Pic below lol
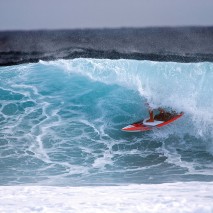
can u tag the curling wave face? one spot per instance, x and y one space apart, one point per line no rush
60 122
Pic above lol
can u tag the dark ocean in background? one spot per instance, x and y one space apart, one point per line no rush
61 120
180 44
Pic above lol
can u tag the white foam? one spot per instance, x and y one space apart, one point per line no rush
168 197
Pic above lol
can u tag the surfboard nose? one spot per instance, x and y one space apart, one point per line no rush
127 128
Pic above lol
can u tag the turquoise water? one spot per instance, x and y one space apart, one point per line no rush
60 122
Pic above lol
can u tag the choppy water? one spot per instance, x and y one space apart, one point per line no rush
60 122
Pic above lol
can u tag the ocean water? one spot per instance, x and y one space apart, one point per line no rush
60 133
179 44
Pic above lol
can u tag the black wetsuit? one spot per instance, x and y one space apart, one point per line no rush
165 116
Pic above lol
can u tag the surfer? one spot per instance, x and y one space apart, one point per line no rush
162 116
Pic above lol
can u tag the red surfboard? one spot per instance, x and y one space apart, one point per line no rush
142 125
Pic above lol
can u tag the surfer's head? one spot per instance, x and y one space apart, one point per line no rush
161 110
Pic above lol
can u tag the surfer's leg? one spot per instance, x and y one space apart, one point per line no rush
151 116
